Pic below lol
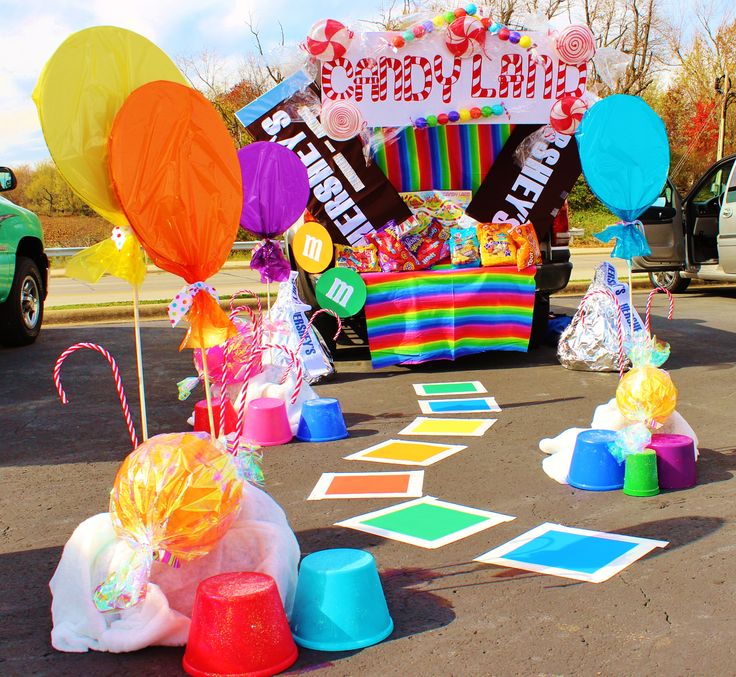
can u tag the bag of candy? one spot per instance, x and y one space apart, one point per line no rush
464 247
392 254
528 252
496 246
363 259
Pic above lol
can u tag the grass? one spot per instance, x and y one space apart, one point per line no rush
591 221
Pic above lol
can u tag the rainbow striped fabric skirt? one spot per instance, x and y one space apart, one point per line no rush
427 315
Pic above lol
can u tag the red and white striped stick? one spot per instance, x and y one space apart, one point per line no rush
115 373
619 324
652 294
311 322
294 362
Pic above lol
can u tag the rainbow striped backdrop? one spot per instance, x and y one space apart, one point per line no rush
451 157
426 315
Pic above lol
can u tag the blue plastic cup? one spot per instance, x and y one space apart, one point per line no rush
339 603
593 466
321 421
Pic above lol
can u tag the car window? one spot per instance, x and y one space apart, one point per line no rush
714 184
665 199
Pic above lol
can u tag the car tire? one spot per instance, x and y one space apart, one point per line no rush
22 313
671 280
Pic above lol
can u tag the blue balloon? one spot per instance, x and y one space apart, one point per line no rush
624 153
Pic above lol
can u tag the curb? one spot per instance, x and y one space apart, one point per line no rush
148 312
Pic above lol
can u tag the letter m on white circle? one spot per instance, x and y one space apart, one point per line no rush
340 292
312 248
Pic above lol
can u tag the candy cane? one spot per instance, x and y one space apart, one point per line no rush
293 362
115 374
311 322
652 294
619 324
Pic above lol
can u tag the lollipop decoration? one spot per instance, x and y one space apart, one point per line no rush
466 36
567 113
575 44
342 120
276 190
328 40
173 499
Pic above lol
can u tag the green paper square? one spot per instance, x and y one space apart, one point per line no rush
425 521
444 388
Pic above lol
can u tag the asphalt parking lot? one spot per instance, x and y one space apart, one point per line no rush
668 614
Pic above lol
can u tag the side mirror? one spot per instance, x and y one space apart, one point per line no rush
7 179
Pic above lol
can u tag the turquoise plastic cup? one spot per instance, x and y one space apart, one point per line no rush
339 603
321 421
593 467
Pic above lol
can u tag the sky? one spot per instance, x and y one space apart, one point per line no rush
33 29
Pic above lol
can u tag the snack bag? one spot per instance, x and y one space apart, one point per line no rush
392 254
464 247
528 252
496 246
362 259
399 230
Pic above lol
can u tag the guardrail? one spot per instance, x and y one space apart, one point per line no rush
71 251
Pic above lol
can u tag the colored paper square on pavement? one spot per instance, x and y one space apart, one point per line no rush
463 427
426 522
405 484
580 554
468 405
454 388
406 452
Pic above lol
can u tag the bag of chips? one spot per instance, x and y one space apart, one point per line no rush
496 246
528 252
363 259
464 247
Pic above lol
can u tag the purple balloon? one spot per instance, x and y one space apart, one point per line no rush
275 188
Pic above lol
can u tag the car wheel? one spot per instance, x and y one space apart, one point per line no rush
671 280
22 313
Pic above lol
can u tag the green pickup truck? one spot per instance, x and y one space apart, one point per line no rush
24 270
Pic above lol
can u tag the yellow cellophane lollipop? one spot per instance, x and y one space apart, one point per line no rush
646 395
173 499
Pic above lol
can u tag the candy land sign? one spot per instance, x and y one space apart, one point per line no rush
394 87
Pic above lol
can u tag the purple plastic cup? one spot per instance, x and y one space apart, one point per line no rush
675 461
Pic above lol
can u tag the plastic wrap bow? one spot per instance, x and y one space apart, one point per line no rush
630 239
269 261
119 255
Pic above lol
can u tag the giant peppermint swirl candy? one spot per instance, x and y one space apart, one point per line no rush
341 119
567 113
328 40
465 36
575 44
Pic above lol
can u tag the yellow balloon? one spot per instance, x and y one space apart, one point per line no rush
646 395
78 94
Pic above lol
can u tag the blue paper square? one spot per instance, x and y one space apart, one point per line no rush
563 550
453 406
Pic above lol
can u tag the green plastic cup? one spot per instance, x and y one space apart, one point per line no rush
640 476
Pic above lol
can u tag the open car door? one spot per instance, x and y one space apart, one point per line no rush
727 226
664 228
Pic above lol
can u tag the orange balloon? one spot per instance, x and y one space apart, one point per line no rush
176 173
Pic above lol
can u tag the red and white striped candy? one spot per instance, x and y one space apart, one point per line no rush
115 374
567 113
465 36
328 40
575 44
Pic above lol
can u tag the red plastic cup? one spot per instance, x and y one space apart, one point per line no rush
202 421
239 628
267 423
